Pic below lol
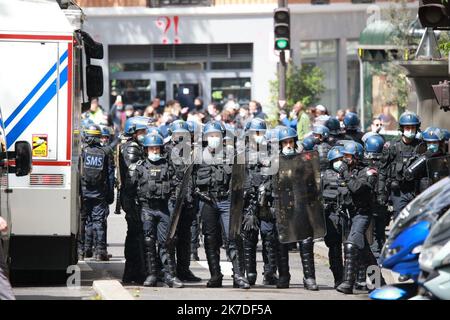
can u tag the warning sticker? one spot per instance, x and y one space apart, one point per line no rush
40 145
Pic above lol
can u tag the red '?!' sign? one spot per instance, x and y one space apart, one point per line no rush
164 23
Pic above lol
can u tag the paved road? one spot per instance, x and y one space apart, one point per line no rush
91 270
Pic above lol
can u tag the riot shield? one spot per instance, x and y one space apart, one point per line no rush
175 216
300 211
438 168
237 198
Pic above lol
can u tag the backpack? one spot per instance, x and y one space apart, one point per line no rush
94 166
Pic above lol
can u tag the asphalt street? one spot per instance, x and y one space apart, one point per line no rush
113 269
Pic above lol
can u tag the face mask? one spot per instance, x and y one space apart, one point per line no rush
287 151
337 165
259 139
213 142
154 156
128 113
409 134
140 138
433 147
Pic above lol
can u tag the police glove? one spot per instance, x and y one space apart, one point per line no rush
343 170
250 222
382 199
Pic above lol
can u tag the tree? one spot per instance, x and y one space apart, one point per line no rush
303 84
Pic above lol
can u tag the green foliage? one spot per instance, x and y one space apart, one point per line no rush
444 44
303 84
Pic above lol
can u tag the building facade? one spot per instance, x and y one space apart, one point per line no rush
223 48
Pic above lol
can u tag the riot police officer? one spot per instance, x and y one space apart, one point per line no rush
372 156
195 130
333 214
97 186
400 154
213 183
130 153
179 157
287 138
352 130
336 133
321 134
358 184
156 184
433 165
257 216
308 144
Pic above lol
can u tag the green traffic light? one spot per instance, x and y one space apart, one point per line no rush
281 44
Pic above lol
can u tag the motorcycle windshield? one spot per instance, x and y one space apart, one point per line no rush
440 233
434 200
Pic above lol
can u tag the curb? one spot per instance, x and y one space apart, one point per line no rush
111 290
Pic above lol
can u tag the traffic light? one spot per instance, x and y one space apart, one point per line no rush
281 29
434 14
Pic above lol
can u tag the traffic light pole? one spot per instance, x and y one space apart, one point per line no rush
282 67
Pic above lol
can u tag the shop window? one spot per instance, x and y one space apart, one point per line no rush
228 65
133 91
224 89
179 66
128 66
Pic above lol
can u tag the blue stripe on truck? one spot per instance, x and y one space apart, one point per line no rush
35 89
35 109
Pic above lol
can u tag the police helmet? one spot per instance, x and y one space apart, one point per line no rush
335 153
308 144
86 122
134 124
154 130
106 131
355 149
433 134
192 126
257 124
446 134
351 121
213 126
93 130
408 119
153 140
179 126
322 130
333 125
287 133
374 144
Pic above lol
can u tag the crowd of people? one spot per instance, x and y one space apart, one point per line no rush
364 178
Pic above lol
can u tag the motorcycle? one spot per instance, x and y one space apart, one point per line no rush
404 244
434 279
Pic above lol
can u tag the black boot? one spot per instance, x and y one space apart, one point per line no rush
366 259
270 263
170 277
213 257
283 266
336 263
351 254
183 262
150 262
361 276
235 254
249 244
307 257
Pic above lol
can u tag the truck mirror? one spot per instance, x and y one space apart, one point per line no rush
23 158
94 81
93 49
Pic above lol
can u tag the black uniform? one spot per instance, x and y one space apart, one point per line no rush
130 153
396 159
380 211
334 222
257 217
359 184
354 135
156 183
97 191
188 214
322 148
213 181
